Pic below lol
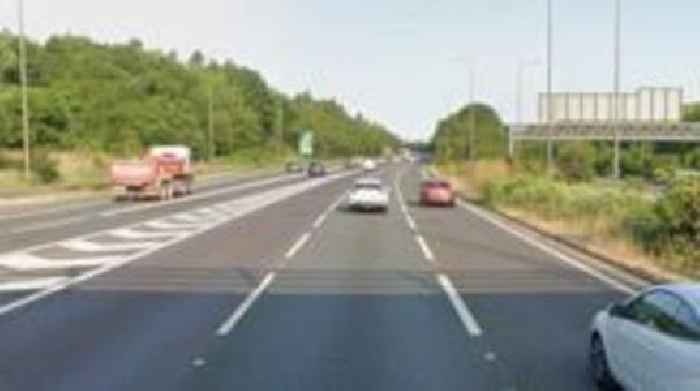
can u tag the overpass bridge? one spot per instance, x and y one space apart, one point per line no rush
615 132
660 132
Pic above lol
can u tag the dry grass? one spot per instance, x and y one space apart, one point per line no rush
470 178
594 236
596 233
85 174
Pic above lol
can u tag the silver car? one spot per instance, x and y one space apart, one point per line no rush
649 342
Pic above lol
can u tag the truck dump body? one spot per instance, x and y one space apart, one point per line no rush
133 173
165 172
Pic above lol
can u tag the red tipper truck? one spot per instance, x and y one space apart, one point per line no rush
164 172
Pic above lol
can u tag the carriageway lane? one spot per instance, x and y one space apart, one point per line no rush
357 308
42 258
36 214
534 308
143 326
62 222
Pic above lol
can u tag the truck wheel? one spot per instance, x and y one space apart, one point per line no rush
165 191
169 191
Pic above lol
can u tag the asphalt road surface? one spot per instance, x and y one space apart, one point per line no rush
272 284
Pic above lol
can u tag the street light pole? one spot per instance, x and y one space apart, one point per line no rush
210 121
472 114
616 82
550 147
23 80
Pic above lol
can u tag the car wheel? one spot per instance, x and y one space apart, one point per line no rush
599 368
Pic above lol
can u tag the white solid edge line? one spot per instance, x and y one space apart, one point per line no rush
427 252
319 220
241 310
467 318
297 245
549 250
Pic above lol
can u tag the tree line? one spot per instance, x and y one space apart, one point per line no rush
457 138
118 98
475 131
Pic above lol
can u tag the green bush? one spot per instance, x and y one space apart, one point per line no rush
668 227
577 161
44 169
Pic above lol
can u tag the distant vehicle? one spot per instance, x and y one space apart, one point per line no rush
369 165
293 168
164 172
356 162
437 192
649 342
316 169
369 194
396 159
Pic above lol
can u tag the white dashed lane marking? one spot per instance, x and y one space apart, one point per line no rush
460 307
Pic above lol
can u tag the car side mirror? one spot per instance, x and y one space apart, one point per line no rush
620 311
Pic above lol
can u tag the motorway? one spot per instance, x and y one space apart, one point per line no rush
272 284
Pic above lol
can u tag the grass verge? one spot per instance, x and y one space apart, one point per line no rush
657 234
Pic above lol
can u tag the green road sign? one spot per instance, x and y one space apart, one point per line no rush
306 143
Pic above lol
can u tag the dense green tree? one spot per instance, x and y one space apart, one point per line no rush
121 97
453 139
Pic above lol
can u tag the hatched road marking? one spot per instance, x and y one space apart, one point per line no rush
197 196
30 284
25 259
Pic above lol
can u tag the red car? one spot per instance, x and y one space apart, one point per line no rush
437 192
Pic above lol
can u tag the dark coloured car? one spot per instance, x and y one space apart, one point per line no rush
316 169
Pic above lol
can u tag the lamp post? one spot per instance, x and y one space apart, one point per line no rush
210 123
616 93
472 114
23 81
550 146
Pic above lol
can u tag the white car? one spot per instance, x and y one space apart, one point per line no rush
649 342
369 194
369 165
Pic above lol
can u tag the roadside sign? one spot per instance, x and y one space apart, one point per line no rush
306 143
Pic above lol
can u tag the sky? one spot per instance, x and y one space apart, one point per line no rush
403 63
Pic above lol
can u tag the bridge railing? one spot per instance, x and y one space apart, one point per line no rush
682 132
